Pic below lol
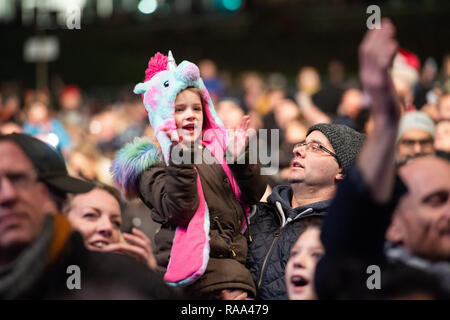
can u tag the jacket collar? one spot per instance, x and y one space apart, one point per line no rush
281 198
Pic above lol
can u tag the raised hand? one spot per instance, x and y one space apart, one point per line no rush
376 54
137 245
238 139
376 159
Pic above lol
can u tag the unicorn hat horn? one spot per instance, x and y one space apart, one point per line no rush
171 65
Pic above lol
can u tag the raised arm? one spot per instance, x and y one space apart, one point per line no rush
353 233
376 160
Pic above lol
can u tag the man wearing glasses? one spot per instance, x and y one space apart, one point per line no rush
319 163
415 136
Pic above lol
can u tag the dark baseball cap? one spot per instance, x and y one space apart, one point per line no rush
48 163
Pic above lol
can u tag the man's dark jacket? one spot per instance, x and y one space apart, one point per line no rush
274 228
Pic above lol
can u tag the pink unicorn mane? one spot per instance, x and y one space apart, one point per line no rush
156 64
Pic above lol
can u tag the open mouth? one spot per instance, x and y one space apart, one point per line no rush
299 281
296 164
189 128
99 244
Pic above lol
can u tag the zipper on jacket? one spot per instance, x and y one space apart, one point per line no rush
248 229
276 234
233 252
280 214
284 222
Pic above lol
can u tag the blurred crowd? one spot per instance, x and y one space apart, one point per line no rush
88 133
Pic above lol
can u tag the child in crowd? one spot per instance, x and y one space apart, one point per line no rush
200 200
301 265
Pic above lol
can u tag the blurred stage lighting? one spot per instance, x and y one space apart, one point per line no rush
147 6
232 5
227 5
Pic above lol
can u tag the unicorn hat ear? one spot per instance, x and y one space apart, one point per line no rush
140 88
171 65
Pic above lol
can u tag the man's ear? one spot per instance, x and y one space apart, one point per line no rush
340 175
47 203
43 191
394 232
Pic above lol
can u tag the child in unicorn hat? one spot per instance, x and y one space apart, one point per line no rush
202 206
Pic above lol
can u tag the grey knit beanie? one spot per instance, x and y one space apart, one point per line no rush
416 120
345 141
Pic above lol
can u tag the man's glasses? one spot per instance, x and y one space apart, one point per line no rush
313 147
410 144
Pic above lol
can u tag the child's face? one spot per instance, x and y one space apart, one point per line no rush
188 115
301 265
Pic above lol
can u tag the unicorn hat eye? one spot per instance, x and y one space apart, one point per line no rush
166 83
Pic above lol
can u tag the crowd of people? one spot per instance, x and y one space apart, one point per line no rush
154 195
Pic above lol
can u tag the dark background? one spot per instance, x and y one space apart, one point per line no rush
263 35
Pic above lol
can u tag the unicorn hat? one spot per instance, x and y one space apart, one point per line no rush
163 81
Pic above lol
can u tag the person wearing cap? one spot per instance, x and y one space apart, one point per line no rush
38 248
319 163
415 136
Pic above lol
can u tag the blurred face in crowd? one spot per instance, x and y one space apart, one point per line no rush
313 166
189 115
295 131
414 143
253 83
444 107
442 139
351 103
422 218
96 215
82 165
301 265
70 99
38 113
208 69
404 92
230 114
285 112
308 80
21 200
10 127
